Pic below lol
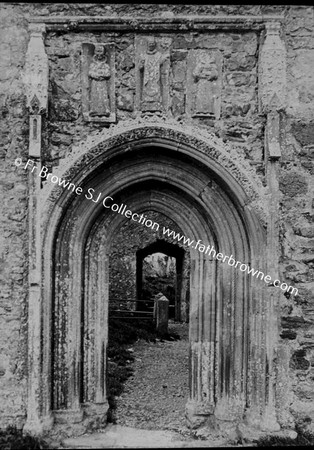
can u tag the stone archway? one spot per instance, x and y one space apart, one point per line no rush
193 178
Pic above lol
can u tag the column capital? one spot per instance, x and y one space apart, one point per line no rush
37 28
272 28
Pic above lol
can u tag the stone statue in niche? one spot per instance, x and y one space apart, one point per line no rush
152 84
98 82
99 73
204 80
205 76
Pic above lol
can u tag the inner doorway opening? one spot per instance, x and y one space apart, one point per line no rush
159 276
160 268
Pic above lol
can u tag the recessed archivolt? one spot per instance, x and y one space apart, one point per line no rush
229 166
188 179
174 181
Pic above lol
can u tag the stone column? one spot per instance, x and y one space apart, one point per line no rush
101 327
201 406
272 94
35 78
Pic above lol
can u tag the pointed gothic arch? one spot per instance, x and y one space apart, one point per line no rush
203 186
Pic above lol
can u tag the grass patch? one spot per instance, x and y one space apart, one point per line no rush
122 334
12 439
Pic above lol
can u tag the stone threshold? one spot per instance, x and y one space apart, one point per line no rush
117 436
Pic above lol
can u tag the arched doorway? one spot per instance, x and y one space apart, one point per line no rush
195 182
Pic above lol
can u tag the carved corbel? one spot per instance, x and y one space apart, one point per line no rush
35 78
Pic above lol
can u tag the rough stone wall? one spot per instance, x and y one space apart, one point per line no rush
297 210
240 124
13 220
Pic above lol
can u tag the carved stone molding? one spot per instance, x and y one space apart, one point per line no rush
35 75
175 23
272 70
204 143
224 379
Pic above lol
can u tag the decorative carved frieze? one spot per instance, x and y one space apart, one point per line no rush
149 24
204 81
98 82
152 74
272 70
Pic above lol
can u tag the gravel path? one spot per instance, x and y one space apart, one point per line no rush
155 396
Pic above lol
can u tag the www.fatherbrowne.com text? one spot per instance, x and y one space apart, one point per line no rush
122 209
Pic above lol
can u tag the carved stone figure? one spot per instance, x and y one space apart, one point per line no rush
151 88
204 83
98 82
205 75
99 73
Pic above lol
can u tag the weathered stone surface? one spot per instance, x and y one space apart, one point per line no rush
293 183
292 321
304 134
272 77
306 231
240 123
288 334
298 360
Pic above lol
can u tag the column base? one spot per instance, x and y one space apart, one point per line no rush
269 421
95 415
264 422
199 413
36 426
68 415
96 409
